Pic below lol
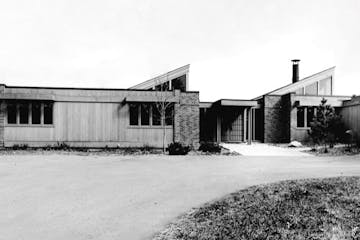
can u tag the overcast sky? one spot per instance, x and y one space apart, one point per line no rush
237 49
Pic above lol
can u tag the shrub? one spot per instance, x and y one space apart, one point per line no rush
61 146
210 147
20 147
177 148
326 127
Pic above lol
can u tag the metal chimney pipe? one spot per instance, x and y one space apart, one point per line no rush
295 72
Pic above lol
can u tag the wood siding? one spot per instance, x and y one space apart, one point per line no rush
88 124
351 117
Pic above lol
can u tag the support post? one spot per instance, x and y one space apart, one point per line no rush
250 126
245 125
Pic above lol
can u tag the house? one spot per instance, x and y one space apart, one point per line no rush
83 117
282 115
88 117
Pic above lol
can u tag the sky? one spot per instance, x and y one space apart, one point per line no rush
236 49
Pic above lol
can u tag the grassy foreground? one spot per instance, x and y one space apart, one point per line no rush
304 209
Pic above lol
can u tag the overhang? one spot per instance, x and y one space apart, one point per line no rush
238 103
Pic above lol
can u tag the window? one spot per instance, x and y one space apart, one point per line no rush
48 113
134 114
163 87
305 116
145 114
29 112
11 113
325 87
169 115
310 115
156 116
300 91
149 115
300 117
179 83
312 89
24 113
36 113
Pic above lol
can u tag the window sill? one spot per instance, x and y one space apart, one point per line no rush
147 127
30 125
303 128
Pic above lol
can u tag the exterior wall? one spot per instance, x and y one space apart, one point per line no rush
99 118
301 134
187 119
350 113
276 118
2 118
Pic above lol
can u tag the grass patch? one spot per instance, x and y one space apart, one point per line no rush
335 151
304 209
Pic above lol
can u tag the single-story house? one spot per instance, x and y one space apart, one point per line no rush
159 111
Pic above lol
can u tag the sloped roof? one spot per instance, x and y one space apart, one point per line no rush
163 78
292 87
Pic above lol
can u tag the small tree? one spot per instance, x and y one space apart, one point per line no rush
326 127
164 107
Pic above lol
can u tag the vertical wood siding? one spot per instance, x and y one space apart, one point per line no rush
89 124
351 118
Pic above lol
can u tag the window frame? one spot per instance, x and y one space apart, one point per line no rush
151 119
30 123
305 118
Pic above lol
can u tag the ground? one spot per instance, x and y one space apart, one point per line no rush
57 196
325 208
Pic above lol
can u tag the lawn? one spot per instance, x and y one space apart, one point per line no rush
304 209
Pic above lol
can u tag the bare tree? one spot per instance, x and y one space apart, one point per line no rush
163 107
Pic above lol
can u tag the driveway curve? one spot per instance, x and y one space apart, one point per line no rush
131 197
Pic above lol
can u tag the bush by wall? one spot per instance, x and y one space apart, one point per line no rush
210 147
177 148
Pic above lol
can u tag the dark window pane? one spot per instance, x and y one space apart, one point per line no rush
24 113
134 114
310 115
35 113
156 117
11 113
145 114
300 117
48 113
179 83
162 87
169 115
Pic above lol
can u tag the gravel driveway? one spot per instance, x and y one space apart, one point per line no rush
56 196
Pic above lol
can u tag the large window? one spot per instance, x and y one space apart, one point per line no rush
325 87
36 113
305 116
30 112
24 113
150 115
11 113
300 117
48 113
311 89
134 114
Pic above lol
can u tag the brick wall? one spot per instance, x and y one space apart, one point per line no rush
187 119
276 118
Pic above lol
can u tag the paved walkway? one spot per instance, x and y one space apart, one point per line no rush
262 149
57 197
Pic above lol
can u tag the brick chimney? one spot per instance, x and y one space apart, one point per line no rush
295 70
